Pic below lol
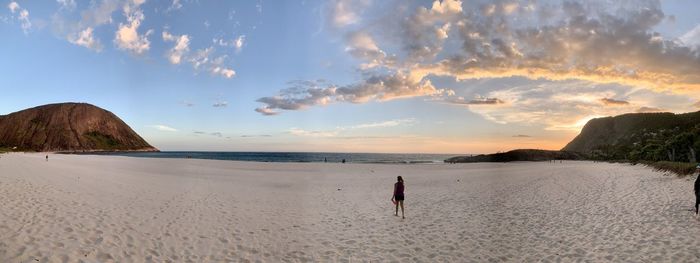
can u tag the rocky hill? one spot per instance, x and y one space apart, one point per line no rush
71 127
666 136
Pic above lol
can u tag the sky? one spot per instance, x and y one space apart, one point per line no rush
450 76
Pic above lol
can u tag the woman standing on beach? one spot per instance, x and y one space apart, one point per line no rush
397 198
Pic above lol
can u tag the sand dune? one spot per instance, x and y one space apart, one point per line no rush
119 209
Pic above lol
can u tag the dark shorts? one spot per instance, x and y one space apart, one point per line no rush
398 197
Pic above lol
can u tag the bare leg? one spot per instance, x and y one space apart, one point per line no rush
697 202
397 208
402 216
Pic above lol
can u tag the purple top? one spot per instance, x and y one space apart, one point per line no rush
398 188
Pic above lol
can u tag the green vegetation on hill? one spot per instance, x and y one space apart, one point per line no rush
641 137
518 155
101 141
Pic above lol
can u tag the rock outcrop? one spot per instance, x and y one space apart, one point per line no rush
70 127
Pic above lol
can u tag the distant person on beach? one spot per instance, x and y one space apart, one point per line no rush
47 157
397 198
343 160
697 190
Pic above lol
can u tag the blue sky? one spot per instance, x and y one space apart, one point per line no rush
353 75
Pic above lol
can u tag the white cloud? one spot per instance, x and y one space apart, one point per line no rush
692 38
201 60
240 41
13 6
225 72
383 124
338 130
302 132
86 39
127 36
175 5
181 48
24 20
236 43
23 16
67 4
99 14
345 12
161 127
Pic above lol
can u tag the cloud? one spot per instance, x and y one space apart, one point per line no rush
202 60
220 104
303 94
597 42
161 127
67 4
217 134
362 46
425 31
86 39
238 44
613 102
338 130
181 48
13 6
266 111
81 32
251 136
692 38
100 14
302 132
522 136
576 42
127 36
175 5
650 109
390 123
343 12
187 103
476 101
554 105
199 132
23 16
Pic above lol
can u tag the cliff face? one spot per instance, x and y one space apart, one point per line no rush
627 129
69 127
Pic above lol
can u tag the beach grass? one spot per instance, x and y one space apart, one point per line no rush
679 168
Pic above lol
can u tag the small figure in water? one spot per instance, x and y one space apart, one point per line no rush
325 160
696 189
398 197
343 160
47 157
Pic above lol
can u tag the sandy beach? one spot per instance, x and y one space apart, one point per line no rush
120 209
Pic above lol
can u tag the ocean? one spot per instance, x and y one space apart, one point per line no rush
387 158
